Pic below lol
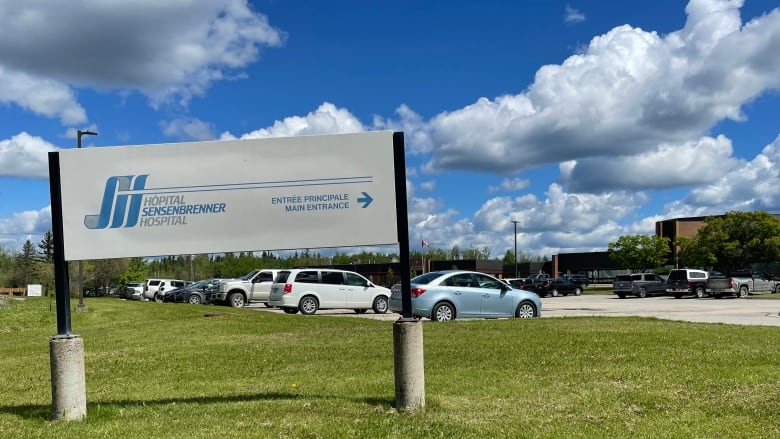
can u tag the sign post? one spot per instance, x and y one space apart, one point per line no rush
407 331
66 350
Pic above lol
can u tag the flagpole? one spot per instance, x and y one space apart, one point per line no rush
423 244
423 259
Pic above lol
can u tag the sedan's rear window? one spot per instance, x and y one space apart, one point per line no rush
427 278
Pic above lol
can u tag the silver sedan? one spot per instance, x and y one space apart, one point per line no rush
446 295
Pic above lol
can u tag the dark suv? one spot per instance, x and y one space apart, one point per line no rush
638 284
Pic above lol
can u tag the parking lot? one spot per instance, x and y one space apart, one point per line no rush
750 311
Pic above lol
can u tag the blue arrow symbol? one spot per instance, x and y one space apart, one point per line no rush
365 199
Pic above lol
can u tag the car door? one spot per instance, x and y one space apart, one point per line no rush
655 284
495 299
464 293
760 283
358 293
261 286
332 290
564 286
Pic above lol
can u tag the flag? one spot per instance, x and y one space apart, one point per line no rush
425 243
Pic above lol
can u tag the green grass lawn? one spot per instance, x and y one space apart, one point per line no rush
168 371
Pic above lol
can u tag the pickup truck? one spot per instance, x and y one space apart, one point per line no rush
748 282
686 281
254 286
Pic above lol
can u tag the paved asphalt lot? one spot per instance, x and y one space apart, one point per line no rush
751 311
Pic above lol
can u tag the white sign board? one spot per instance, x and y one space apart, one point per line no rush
228 196
34 290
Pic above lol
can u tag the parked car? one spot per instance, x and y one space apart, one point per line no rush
155 289
133 291
310 289
557 287
539 277
521 283
579 278
446 295
638 284
196 293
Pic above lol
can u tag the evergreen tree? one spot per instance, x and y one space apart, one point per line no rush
25 264
509 257
46 247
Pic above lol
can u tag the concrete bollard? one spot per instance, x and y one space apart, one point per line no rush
68 384
409 364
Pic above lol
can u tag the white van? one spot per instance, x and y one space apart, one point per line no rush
310 289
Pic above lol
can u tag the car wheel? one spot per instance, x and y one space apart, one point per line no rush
308 305
525 310
622 295
642 292
360 311
743 292
194 299
158 298
290 310
236 300
443 312
380 305
554 293
700 292
578 291
268 305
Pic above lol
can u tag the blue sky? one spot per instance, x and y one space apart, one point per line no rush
583 121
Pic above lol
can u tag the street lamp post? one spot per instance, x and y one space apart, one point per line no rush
80 278
515 223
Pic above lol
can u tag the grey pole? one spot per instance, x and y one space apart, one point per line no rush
80 276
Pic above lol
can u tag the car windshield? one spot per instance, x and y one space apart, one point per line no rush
623 278
249 275
200 284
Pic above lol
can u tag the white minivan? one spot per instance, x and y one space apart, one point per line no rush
310 289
